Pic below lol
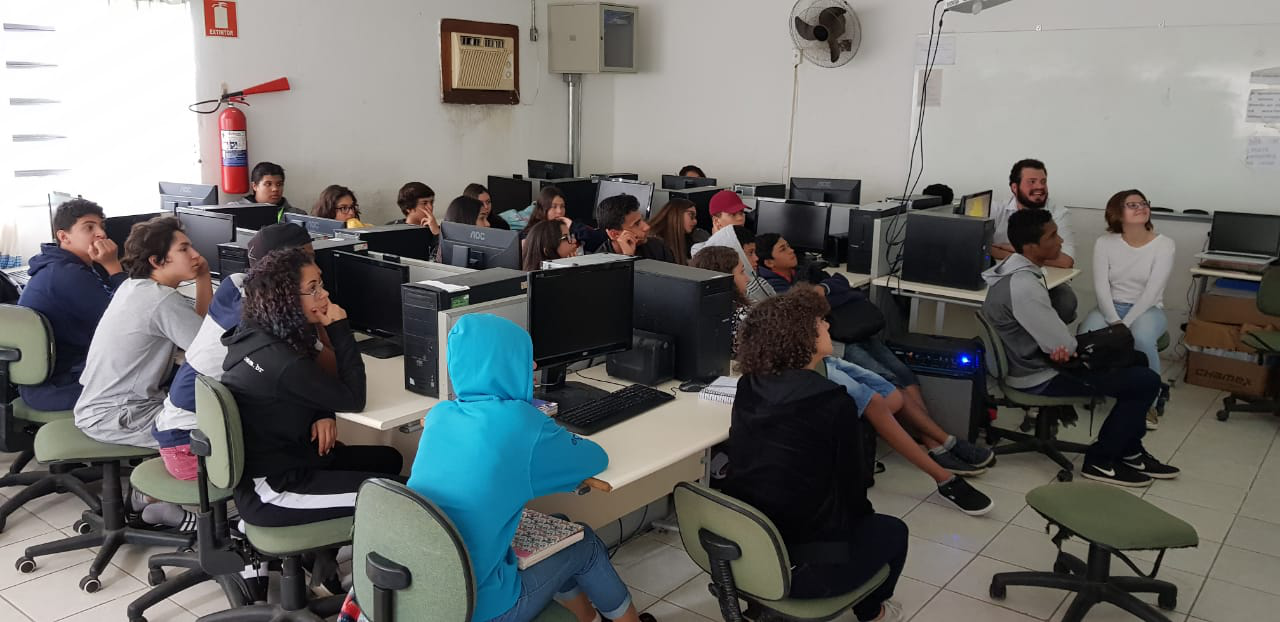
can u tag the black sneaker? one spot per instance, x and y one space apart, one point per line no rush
951 462
973 454
968 499
1146 463
1116 472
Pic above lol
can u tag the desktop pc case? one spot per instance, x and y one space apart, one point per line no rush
952 377
424 304
947 249
693 306
868 252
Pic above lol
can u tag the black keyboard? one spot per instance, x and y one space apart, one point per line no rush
612 409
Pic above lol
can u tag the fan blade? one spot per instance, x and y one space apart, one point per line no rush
804 30
835 49
832 18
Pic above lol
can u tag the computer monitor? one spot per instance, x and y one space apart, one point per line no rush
680 182
976 205
579 198
479 247
118 227
803 224
368 290
641 190
509 193
207 230
539 169
823 190
316 224
1253 234
253 216
174 195
575 314
404 240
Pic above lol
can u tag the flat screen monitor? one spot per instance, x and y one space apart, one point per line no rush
565 327
579 198
316 224
207 230
680 182
1251 234
509 193
118 227
174 195
976 205
403 240
254 216
822 190
479 248
641 190
368 290
803 224
540 169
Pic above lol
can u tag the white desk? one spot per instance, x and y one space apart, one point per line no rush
857 279
951 295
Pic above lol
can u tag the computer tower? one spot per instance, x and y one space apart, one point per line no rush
701 198
233 257
868 252
692 305
579 197
947 249
508 193
952 380
423 304
919 201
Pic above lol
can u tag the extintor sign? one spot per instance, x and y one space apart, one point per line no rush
220 18
235 148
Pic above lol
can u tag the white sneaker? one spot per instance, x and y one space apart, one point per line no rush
890 611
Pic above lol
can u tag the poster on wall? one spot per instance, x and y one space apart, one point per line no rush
220 18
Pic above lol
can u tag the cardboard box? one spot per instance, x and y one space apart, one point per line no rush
1206 334
1238 377
1233 310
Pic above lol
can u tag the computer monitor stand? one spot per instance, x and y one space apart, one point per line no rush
550 386
381 347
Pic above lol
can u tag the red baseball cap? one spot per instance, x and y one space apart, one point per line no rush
727 202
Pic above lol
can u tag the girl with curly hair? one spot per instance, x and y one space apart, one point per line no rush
291 363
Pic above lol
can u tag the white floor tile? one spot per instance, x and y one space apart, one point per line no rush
57 596
1263 503
975 582
1106 612
1191 489
1247 568
952 528
1196 560
1210 523
949 606
1220 601
695 597
934 563
669 538
57 510
891 503
1030 519
166 611
202 599
667 612
1029 548
1214 468
9 554
22 525
654 567
642 599
903 478
9 612
1189 585
1255 535
1021 472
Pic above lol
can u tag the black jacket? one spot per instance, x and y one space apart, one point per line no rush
280 393
796 454
653 248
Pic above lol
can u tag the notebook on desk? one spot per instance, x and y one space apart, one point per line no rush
540 536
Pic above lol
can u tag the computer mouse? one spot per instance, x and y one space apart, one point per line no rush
692 386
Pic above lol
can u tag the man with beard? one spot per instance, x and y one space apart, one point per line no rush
1029 183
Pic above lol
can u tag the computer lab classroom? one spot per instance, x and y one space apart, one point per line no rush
664 310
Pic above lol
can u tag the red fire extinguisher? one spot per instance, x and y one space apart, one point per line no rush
235 150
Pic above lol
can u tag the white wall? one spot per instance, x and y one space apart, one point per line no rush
365 108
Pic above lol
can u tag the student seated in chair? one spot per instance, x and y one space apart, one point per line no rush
481 194
796 453
724 259
266 184
483 456
676 222
743 242
690 170
339 203
287 390
131 357
628 234
72 280
1029 184
417 202
550 205
1036 342
549 239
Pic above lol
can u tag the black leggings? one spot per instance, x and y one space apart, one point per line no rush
877 540
304 496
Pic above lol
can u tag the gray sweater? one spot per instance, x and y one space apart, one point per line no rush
1020 309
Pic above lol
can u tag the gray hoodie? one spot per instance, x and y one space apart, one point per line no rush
1020 309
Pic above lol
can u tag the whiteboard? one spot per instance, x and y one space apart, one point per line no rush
1107 109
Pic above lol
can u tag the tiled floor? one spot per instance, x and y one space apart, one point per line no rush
1228 492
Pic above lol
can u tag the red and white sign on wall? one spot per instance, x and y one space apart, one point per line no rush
220 18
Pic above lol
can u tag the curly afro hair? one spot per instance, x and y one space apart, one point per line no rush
781 333
271 298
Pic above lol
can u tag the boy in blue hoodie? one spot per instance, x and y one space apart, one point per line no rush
72 280
483 456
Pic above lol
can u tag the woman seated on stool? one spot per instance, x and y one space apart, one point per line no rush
1131 266
290 364
339 203
483 456
549 239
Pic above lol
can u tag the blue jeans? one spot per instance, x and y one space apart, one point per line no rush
1147 330
871 354
583 567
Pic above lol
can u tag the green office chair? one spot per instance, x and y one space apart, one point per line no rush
26 359
746 557
1088 511
219 447
1266 342
402 578
1051 409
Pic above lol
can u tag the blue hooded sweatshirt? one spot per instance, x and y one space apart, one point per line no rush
486 454
73 296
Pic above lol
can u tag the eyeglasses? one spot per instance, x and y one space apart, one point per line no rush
348 208
315 293
1138 205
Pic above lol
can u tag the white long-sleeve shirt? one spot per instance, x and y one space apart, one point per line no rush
1135 276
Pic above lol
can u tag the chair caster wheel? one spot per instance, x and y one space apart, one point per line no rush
82 527
1222 415
155 576
25 565
1065 475
90 585
997 591
1168 603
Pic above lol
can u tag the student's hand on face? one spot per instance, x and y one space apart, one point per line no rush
106 254
334 313
202 267
626 242
592 483
325 433
1061 355
566 220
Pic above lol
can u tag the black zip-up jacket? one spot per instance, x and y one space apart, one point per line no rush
281 392
796 454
